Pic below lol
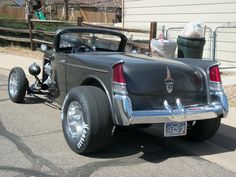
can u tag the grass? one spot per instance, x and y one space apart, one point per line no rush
11 23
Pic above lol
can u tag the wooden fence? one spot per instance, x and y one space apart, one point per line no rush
32 32
14 12
90 14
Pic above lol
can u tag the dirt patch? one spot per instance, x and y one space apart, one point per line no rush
230 91
20 51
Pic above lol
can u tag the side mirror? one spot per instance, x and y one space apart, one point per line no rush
43 47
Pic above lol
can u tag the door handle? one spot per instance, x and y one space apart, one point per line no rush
62 61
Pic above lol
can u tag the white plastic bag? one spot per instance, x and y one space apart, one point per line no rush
193 30
164 48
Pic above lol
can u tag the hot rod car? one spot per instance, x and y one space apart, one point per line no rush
99 86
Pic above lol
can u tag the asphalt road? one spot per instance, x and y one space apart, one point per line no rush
32 144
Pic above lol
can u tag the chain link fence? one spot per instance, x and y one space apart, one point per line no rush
225 44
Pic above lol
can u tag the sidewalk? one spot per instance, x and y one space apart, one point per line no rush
228 68
8 61
229 80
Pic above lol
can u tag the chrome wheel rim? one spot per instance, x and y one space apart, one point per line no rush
76 124
13 84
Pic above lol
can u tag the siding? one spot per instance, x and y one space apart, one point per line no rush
139 13
177 13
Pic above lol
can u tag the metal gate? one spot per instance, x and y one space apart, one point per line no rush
224 44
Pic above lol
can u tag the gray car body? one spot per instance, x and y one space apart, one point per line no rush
71 70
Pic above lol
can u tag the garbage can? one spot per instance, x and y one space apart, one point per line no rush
164 48
190 47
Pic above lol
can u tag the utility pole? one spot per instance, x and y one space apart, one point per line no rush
66 10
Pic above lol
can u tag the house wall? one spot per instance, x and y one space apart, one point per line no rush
139 13
177 13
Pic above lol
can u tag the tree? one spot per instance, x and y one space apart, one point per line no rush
105 6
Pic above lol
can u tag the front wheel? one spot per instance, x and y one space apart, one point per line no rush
17 85
86 123
203 129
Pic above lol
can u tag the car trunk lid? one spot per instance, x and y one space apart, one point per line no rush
152 81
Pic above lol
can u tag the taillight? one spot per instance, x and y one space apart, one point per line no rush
214 74
119 82
118 74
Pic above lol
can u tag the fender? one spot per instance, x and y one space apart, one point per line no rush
104 87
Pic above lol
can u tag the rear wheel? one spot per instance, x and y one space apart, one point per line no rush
17 85
87 123
203 129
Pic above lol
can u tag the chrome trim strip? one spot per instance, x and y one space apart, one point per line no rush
126 115
123 109
223 100
86 67
119 88
168 108
215 86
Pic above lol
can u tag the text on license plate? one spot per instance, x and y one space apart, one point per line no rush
175 129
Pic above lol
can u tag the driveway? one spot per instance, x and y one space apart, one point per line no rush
32 144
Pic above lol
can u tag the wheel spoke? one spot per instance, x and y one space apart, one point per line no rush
75 120
73 123
13 84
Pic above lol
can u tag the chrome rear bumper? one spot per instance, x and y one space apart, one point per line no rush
126 116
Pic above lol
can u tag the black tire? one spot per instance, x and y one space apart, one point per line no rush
203 129
17 87
143 126
96 115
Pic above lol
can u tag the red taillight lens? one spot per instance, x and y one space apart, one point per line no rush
118 74
215 74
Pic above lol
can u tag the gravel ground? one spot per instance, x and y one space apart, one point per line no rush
230 91
22 52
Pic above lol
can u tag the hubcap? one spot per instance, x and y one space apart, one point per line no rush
13 84
75 121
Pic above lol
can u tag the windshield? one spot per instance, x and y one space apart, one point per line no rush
89 41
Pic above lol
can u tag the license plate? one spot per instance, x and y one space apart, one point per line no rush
175 129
